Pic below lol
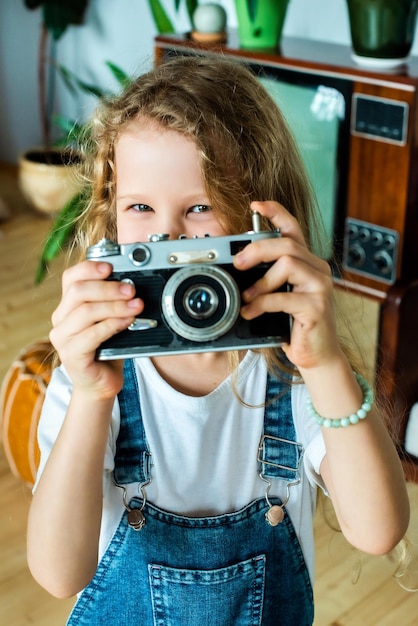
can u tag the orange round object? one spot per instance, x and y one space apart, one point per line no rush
21 398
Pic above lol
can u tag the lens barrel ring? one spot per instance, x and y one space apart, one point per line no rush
208 328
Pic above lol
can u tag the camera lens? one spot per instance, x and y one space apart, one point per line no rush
200 301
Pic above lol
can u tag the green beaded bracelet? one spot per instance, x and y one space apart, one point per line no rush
354 418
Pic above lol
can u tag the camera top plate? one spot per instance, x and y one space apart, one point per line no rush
161 252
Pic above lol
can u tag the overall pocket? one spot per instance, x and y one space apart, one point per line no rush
220 597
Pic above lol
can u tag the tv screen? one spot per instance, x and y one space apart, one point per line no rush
318 109
314 114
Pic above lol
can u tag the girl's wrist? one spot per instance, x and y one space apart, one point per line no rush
85 397
351 419
333 389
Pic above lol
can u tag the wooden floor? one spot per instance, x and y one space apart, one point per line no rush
375 600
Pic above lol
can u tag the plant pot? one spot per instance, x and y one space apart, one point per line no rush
382 31
49 178
260 24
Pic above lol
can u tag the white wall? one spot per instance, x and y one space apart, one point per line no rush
121 31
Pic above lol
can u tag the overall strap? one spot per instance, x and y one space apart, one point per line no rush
279 454
133 458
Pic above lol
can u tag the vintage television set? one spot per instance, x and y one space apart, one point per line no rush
357 129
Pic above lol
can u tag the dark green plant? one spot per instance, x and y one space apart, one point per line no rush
63 226
161 19
57 15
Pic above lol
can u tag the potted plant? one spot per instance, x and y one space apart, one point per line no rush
46 174
260 22
382 31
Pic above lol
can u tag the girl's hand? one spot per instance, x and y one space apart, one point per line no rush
92 310
313 339
361 463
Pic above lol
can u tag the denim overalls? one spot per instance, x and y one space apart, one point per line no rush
236 569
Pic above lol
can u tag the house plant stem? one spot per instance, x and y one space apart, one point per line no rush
43 109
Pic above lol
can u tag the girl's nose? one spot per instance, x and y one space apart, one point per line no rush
171 228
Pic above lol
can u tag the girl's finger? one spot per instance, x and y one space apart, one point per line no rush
83 345
272 249
280 218
89 314
299 305
300 275
76 293
86 270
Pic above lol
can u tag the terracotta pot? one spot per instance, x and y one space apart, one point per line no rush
49 178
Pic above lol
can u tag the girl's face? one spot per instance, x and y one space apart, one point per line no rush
159 186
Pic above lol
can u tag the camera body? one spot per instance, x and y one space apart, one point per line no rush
192 296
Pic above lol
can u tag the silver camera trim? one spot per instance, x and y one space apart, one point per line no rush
146 254
232 304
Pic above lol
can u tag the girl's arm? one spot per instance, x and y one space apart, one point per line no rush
361 469
65 515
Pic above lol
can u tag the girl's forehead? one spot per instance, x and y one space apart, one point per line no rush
141 125
146 129
148 153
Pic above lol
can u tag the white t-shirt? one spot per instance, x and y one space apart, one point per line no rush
204 449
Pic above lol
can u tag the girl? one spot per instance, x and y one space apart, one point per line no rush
181 489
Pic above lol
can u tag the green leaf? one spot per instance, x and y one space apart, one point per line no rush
71 128
121 76
161 19
61 232
191 6
65 123
73 84
41 272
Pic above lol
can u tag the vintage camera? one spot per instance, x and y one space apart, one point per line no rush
191 292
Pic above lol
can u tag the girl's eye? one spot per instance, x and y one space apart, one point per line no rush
141 208
200 208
